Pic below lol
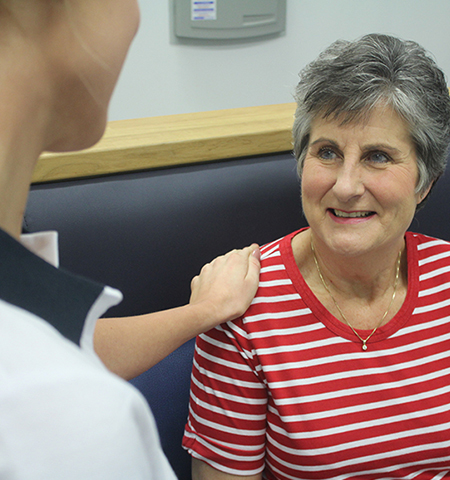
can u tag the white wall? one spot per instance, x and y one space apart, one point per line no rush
163 76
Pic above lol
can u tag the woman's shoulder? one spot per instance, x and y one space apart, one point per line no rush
271 247
430 254
424 242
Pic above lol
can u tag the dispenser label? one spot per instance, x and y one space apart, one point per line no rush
203 10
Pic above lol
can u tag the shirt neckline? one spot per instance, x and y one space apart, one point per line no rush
329 320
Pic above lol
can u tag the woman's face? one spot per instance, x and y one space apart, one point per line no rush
358 183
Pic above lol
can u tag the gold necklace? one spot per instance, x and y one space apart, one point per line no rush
364 341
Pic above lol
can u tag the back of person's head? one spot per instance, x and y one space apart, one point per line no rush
349 79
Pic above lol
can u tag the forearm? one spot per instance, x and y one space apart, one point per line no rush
222 292
129 346
202 471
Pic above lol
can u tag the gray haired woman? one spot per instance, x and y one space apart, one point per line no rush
341 366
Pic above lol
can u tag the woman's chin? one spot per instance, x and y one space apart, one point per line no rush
348 245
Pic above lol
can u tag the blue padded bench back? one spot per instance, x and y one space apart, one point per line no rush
149 233
434 217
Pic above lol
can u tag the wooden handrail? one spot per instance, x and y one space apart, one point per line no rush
154 142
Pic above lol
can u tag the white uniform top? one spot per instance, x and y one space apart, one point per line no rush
62 414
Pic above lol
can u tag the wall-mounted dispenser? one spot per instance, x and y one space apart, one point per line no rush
228 19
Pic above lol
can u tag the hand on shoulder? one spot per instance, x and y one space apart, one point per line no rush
227 285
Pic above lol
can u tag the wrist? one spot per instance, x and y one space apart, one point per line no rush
209 315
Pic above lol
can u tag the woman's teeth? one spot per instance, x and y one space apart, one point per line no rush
340 213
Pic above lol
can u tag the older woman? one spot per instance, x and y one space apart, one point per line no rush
341 366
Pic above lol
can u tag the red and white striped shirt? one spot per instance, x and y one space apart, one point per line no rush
288 390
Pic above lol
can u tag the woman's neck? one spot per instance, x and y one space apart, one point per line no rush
23 127
16 168
365 277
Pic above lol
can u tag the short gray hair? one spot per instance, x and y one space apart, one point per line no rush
349 79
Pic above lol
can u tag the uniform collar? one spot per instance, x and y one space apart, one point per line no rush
30 282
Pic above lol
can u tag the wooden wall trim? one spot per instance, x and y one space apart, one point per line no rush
154 142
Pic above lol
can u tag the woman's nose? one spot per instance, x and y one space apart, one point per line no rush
349 181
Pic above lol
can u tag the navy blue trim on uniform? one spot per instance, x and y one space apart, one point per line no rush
59 297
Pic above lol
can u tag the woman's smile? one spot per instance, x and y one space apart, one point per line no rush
342 216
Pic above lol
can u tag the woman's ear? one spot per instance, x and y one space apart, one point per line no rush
421 196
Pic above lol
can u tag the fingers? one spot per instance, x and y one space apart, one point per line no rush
246 260
254 265
256 252
228 283
194 282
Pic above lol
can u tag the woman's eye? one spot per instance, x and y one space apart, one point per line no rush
327 154
378 157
